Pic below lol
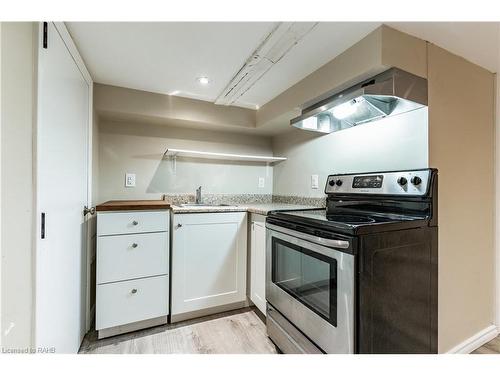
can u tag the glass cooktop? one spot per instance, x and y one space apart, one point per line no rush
347 221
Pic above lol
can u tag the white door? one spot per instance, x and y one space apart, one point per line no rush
258 266
62 169
208 260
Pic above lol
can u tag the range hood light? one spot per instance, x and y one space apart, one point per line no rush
310 123
345 110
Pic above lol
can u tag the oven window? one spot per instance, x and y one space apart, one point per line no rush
309 277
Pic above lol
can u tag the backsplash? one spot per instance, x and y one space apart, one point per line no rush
304 201
219 198
245 198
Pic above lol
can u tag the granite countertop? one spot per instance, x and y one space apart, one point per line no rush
257 208
201 209
265 208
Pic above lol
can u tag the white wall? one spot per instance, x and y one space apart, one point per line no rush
17 184
399 142
138 148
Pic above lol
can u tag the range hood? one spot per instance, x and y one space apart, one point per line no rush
387 94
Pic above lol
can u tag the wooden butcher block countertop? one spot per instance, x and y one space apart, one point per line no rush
133 205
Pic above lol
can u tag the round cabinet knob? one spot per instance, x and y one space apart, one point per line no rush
134 245
135 222
331 182
416 180
133 291
402 181
339 182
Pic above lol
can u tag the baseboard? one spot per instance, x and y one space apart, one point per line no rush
118 330
175 318
476 341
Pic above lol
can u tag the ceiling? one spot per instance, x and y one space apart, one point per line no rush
168 57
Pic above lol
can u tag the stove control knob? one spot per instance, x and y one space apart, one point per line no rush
416 180
402 181
339 182
331 182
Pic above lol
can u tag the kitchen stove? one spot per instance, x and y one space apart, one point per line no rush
359 276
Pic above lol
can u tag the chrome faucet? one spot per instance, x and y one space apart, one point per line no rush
198 196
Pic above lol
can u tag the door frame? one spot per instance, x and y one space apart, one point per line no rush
72 49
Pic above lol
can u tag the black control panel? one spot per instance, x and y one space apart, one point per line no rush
408 183
367 182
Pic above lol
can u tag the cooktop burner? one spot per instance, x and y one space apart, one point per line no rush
350 219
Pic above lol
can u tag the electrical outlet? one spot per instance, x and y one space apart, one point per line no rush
129 179
262 182
314 181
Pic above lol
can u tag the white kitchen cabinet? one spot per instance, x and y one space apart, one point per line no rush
131 256
131 301
258 262
125 222
209 257
132 290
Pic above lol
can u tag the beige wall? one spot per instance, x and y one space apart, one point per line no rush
497 183
404 51
17 87
138 148
461 135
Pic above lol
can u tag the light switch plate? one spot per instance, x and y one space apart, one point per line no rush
314 181
262 182
129 179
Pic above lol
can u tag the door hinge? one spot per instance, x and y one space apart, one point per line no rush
87 210
45 34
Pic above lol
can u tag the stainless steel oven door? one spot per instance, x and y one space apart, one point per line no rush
312 285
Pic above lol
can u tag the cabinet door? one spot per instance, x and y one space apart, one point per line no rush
258 266
208 260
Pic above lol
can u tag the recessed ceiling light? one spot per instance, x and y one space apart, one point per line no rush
203 80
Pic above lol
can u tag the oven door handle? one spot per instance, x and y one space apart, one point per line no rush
339 244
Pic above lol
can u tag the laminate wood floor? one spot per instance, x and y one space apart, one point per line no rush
492 347
237 332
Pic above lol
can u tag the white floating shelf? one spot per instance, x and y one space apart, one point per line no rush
221 156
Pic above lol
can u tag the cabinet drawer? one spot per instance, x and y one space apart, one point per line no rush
109 223
131 256
117 303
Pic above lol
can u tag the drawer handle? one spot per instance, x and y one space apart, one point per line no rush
179 225
135 222
134 245
133 291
